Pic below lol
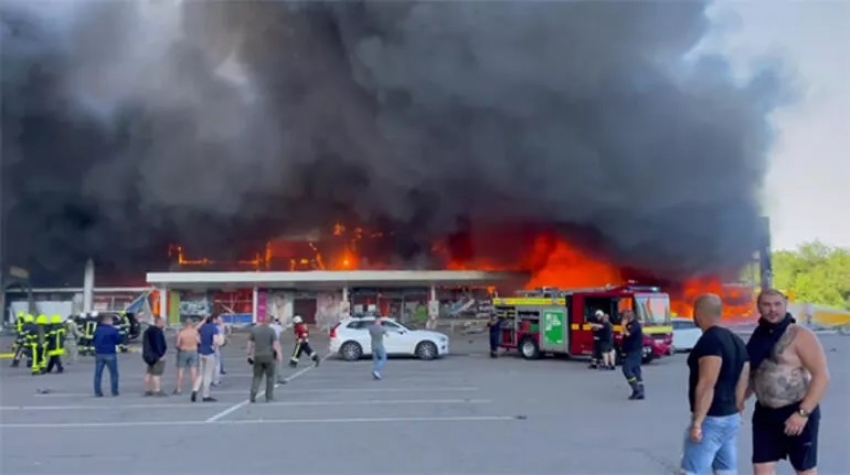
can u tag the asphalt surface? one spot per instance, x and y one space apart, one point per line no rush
465 414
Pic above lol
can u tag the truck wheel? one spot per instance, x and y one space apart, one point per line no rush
351 351
529 349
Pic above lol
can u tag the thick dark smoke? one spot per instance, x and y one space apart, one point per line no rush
129 125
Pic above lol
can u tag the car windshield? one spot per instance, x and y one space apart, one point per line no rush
394 325
653 309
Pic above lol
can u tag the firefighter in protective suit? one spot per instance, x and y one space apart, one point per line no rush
20 341
302 344
27 326
38 344
124 331
55 344
89 326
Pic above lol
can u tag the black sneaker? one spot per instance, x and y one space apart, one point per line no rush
209 399
194 397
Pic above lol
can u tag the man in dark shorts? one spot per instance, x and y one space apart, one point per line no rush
603 342
153 354
717 385
264 355
789 378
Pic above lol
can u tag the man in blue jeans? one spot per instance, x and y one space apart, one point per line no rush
719 375
106 338
379 353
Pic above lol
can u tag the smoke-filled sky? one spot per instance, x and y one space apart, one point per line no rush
129 125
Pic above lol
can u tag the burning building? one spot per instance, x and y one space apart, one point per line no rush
580 142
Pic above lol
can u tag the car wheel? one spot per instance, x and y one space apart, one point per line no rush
351 351
426 350
529 349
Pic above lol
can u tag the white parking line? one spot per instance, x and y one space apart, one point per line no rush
366 402
362 420
378 388
236 407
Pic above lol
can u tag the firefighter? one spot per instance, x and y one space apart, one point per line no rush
495 326
72 344
596 358
55 344
20 344
38 344
123 324
633 354
27 327
90 322
302 345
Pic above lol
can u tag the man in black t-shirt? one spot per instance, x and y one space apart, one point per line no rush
633 354
719 373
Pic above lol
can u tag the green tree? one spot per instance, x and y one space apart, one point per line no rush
814 273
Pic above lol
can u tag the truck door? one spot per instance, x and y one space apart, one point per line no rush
554 329
581 336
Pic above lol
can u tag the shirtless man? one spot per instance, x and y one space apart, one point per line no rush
789 377
187 353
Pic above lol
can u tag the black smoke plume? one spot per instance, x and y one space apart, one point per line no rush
129 125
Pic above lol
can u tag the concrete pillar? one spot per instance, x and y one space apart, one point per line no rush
433 308
88 286
254 301
344 304
163 303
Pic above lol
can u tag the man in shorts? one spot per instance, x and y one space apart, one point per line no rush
789 379
187 353
153 354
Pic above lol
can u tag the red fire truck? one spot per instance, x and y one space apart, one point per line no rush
558 321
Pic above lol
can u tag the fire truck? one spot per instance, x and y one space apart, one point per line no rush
558 321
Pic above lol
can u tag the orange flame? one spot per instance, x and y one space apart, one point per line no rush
552 261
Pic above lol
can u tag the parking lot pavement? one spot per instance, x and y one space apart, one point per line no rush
462 414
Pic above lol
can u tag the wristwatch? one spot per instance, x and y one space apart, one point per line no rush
802 412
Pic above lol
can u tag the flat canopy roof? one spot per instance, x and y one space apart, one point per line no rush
330 279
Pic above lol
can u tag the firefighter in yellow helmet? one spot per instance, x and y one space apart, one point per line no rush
38 343
55 344
27 327
20 342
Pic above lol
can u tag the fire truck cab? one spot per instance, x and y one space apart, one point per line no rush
558 321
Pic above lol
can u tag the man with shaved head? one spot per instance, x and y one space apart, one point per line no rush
717 387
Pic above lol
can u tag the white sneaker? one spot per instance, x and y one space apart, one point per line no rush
376 375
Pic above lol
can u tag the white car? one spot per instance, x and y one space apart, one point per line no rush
685 334
350 340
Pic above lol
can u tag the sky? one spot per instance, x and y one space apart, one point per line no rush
808 188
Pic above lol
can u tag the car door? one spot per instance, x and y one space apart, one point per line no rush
396 341
358 331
